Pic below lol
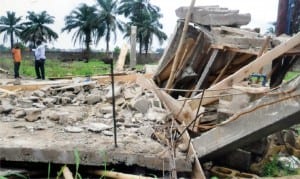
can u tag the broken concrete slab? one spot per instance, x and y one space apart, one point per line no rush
33 114
132 91
274 112
6 107
214 16
141 104
59 148
97 127
117 91
73 129
20 113
92 99
60 120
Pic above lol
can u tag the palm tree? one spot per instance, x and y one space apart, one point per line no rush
10 26
146 17
137 8
36 28
108 19
83 20
150 27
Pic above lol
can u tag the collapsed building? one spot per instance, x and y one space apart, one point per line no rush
212 110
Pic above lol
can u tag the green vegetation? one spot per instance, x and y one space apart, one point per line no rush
291 75
77 161
10 26
145 16
275 169
88 23
56 68
36 28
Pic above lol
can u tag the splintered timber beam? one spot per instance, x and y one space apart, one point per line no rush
206 70
230 56
197 172
179 109
118 175
179 50
244 72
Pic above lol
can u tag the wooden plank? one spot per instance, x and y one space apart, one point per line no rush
244 72
118 175
180 46
230 56
165 71
180 110
252 90
189 43
191 51
170 46
294 51
7 91
261 51
122 58
241 59
206 70
197 172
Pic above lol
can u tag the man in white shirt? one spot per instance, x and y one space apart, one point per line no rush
40 59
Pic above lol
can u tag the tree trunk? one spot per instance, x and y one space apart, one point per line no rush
86 54
141 43
107 38
11 40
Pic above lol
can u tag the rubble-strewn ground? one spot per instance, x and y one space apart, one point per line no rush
48 124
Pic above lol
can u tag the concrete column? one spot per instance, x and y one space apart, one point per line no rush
133 47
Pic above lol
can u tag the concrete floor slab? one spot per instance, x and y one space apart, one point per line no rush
23 141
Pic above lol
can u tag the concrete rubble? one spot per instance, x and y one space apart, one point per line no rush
61 113
215 16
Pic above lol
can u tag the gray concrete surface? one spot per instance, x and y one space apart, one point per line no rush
265 116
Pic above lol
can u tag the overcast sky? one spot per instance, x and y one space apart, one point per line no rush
262 13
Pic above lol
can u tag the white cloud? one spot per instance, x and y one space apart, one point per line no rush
262 12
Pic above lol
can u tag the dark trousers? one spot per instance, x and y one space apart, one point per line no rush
16 69
40 69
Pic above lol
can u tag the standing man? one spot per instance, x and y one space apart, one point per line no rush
16 53
40 59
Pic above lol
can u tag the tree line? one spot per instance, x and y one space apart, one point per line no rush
89 24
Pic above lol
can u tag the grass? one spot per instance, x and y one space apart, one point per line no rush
56 68
291 75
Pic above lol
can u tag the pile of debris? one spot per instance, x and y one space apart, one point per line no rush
60 118
210 76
